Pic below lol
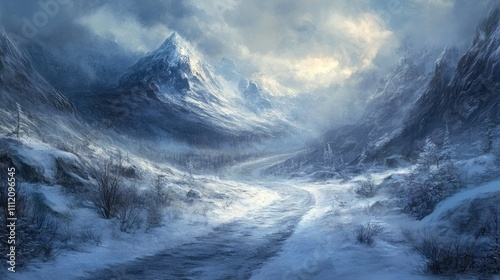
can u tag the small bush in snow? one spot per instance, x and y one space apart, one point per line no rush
129 211
113 200
489 233
478 254
109 189
365 234
366 188
158 198
445 256
90 236
422 191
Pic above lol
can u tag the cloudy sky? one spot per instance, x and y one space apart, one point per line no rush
289 46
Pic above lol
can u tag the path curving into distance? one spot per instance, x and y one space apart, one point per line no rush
233 250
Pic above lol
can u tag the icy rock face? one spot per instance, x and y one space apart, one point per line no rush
465 98
461 95
475 87
474 84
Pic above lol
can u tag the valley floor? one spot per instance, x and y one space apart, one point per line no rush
272 229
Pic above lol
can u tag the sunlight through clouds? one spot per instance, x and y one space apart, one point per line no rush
359 41
288 46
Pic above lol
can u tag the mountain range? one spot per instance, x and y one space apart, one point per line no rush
173 92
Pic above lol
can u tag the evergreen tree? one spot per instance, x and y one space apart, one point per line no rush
327 155
489 136
428 156
446 149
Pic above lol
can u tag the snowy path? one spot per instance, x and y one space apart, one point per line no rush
273 228
233 251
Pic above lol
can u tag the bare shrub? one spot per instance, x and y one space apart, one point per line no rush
409 234
113 200
108 194
129 211
366 189
446 256
50 237
477 254
89 236
40 232
365 234
489 233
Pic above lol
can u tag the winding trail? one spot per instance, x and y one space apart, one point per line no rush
233 250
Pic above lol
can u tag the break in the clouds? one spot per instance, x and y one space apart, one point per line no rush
289 46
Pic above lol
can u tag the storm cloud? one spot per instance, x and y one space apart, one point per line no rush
288 46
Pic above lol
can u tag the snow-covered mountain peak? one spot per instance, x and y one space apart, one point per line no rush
172 65
175 50
180 82
174 41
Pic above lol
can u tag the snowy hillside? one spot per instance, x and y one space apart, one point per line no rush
464 100
30 105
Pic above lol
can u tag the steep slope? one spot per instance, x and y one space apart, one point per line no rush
463 100
174 92
20 83
36 123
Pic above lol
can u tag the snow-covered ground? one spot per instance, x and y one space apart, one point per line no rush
323 245
183 226
245 227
